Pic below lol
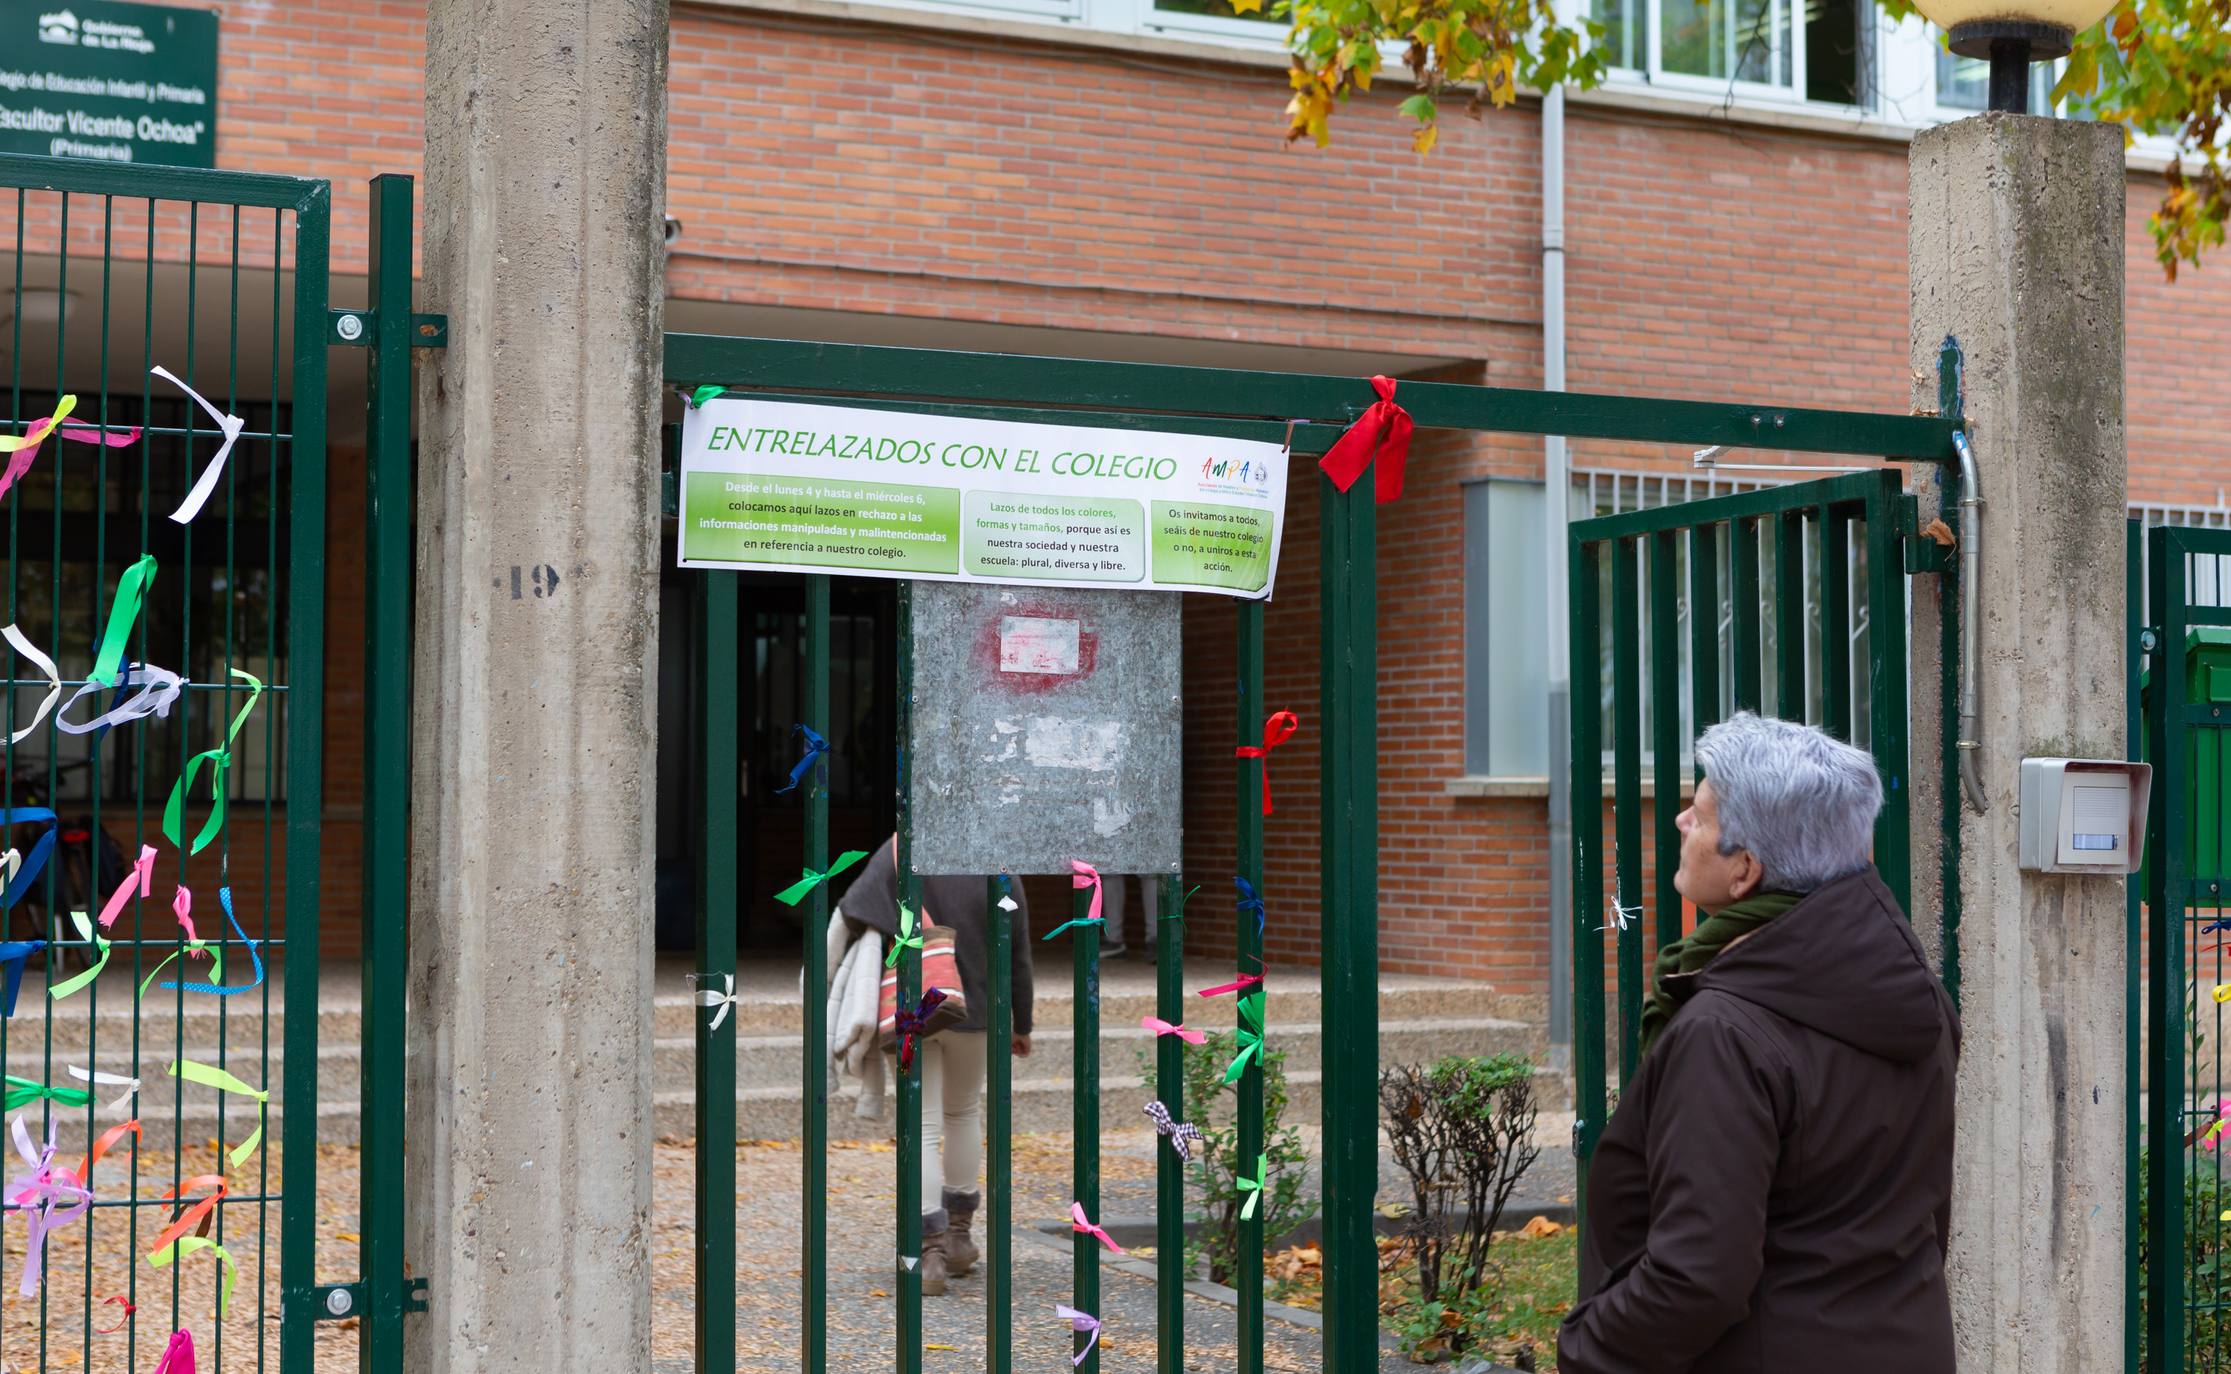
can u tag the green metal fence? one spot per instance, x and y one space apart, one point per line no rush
2186 694
1673 575
1311 411
197 1035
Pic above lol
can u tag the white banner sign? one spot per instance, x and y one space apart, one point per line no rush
877 493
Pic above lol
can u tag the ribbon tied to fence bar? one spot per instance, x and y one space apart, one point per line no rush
910 1023
909 937
13 953
47 1197
158 691
26 649
178 1356
1276 731
816 746
57 425
1250 1035
220 759
1162 1027
210 1076
217 970
131 594
1250 900
1082 875
1081 1324
723 999
1382 433
1182 1134
1239 984
22 1092
796 892
1253 1187
1082 1225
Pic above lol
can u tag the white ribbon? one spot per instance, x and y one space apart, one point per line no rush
1006 904
12 860
723 999
116 1080
158 690
230 424
25 648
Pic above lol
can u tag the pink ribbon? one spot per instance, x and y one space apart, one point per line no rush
1087 876
182 906
1241 984
178 1356
1162 1027
1080 1323
24 450
1079 1225
143 870
37 1195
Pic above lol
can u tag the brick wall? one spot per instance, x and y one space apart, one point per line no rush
939 175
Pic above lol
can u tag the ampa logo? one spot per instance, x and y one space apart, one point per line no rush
58 27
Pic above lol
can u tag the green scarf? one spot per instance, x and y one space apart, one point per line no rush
1712 934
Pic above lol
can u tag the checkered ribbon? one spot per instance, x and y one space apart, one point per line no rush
1182 1134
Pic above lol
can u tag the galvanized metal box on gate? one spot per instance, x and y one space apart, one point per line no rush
1047 726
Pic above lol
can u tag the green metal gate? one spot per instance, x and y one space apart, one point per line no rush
198 1219
2187 705
1308 411
1788 601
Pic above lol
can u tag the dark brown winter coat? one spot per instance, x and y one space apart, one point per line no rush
873 900
1773 1195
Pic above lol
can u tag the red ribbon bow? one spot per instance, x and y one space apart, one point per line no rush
1383 432
910 1024
1276 731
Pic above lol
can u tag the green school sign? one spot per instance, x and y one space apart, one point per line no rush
102 79
878 493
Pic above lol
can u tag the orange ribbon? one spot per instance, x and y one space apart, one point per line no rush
84 1171
1383 432
196 1215
1276 731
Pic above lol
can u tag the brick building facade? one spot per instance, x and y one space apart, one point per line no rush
966 175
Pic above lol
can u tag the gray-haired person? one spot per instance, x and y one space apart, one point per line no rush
1774 1191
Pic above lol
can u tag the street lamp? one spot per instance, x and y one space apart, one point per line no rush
2012 34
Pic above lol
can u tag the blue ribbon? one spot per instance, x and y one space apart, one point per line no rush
33 862
1250 900
2213 927
815 748
224 899
13 953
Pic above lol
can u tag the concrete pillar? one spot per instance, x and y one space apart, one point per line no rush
537 634
2017 250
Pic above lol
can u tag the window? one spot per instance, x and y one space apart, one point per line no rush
1505 621
1812 49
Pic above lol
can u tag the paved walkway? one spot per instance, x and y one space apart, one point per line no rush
861 1309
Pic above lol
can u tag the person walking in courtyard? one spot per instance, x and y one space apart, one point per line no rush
1774 1191
953 1058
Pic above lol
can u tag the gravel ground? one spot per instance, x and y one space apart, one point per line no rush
862 1310
183 1295
863 1191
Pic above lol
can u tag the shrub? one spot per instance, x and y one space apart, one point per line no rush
1213 1178
1463 1130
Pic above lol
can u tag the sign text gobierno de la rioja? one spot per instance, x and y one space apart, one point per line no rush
108 80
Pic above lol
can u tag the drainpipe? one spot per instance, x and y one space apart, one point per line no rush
1557 488
1971 630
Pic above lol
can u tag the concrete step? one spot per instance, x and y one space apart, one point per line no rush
767 1061
1040 1104
1296 999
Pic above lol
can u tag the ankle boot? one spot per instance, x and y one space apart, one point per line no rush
933 1263
960 1247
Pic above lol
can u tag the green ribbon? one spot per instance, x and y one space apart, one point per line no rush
220 759
22 1092
1179 914
131 592
210 1076
1096 922
216 964
796 892
908 936
86 932
1250 1035
704 394
190 1245
1253 1187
